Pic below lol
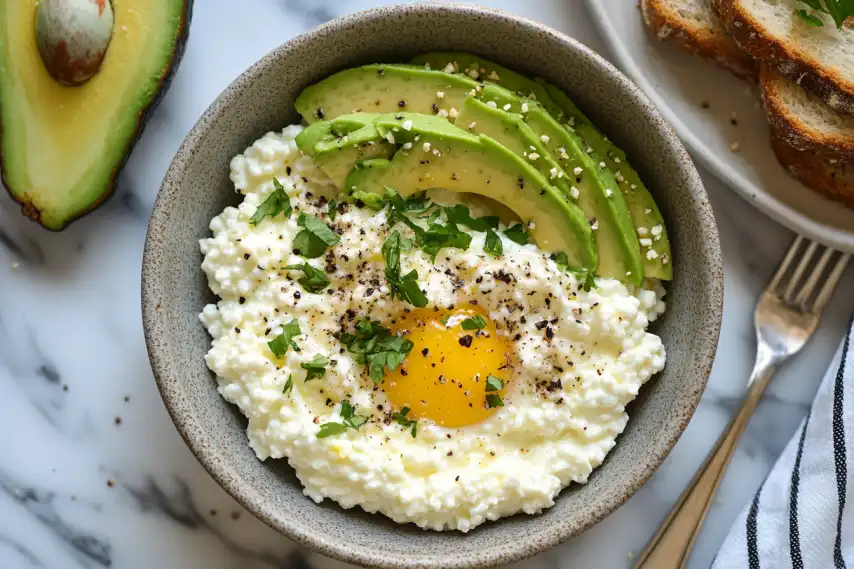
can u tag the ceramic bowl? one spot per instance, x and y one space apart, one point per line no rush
197 187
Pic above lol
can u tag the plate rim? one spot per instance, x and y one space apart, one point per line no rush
751 193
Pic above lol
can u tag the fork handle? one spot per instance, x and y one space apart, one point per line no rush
671 546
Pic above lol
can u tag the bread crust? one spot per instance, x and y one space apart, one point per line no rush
791 128
667 25
829 86
835 181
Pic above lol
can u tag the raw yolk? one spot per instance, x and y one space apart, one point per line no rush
444 376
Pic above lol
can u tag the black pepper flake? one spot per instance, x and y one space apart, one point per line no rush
246 256
319 113
542 324
297 295
435 108
242 300
424 352
401 103
549 332
288 170
521 182
466 340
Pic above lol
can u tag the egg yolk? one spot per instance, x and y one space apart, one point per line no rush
444 376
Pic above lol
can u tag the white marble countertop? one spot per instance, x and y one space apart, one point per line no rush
93 474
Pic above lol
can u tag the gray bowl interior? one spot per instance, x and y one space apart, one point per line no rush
197 187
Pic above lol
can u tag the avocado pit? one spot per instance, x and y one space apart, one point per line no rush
73 37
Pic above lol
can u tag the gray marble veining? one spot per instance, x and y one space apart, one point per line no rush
93 473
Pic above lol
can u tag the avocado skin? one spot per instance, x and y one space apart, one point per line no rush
30 211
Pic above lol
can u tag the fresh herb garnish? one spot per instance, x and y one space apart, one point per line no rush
315 368
839 10
810 20
332 209
460 214
404 287
411 424
414 203
474 323
314 280
276 203
444 319
437 236
585 278
289 385
494 384
493 244
315 238
375 346
349 421
517 234
348 413
279 346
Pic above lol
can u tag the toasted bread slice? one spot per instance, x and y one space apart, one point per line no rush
695 27
832 178
803 121
821 59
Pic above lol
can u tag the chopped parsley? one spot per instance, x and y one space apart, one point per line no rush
276 203
279 346
314 280
405 286
349 421
460 214
332 210
839 10
585 278
437 237
810 20
474 323
375 346
411 424
493 244
494 384
517 234
315 238
444 319
315 368
289 385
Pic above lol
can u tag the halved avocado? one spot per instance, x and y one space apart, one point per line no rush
61 148
459 161
384 88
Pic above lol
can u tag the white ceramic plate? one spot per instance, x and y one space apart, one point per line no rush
678 83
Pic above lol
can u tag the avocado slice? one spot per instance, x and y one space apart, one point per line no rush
61 148
459 161
515 135
593 188
642 207
384 88
336 157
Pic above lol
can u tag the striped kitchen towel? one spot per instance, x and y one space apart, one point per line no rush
800 518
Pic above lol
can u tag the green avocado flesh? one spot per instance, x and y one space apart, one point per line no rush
61 148
456 160
642 207
383 89
598 194
460 123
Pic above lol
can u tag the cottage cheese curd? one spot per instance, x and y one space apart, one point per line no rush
577 357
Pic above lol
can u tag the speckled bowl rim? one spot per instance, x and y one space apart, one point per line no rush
182 412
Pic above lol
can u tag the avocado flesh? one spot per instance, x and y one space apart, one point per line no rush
599 196
337 157
511 131
642 207
383 88
61 148
477 164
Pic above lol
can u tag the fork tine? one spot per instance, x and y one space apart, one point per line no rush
799 271
808 288
784 266
830 284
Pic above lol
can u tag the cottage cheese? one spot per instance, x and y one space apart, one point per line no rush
561 415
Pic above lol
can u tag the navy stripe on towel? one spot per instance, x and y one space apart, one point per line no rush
752 548
794 530
840 454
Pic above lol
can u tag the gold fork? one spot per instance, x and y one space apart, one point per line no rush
785 318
